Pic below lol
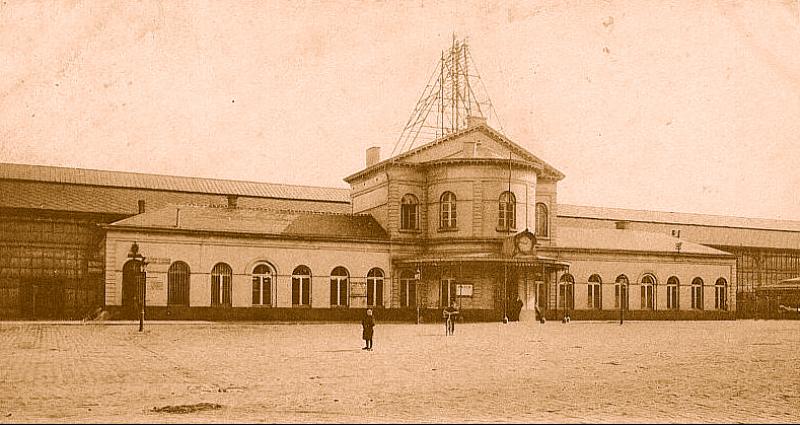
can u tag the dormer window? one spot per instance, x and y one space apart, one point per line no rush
447 211
507 218
409 212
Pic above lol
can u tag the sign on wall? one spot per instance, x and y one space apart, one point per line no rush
464 290
358 289
155 283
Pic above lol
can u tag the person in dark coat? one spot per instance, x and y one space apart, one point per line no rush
367 324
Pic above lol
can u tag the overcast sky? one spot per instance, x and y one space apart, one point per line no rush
675 106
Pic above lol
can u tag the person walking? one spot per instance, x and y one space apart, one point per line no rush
367 325
449 314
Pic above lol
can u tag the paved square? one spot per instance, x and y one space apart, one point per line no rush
578 372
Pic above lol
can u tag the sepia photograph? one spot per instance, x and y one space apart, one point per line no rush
411 211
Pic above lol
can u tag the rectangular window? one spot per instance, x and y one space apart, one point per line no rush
594 297
408 293
256 290
697 297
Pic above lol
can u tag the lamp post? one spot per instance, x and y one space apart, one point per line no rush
141 278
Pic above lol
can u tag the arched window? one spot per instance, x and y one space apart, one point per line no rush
648 292
178 284
221 276
621 292
409 212
408 289
566 286
697 293
131 287
507 218
263 284
375 287
447 211
595 292
339 287
301 286
721 294
542 221
673 293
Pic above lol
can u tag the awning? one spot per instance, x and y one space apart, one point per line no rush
519 261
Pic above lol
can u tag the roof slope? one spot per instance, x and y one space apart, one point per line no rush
257 221
630 240
79 176
603 213
522 153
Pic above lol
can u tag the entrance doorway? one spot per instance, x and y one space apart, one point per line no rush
130 289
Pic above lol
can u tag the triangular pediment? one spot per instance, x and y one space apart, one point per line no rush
479 142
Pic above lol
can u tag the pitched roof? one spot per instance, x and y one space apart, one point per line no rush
630 240
257 221
496 135
622 214
79 176
124 201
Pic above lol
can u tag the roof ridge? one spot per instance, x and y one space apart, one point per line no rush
680 212
225 207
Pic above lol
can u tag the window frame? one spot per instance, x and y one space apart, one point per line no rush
375 281
409 213
594 292
448 216
270 276
507 211
342 284
542 220
673 293
219 286
721 294
648 292
301 286
178 293
622 292
697 294
407 282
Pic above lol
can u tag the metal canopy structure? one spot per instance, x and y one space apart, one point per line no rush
453 93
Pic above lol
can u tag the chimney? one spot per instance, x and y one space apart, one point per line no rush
622 224
473 121
232 201
469 149
373 155
141 206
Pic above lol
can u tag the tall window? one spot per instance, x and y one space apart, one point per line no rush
301 286
409 212
339 287
566 287
542 223
721 294
648 292
673 293
697 294
595 292
447 210
621 292
221 284
507 218
375 287
408 289
263 284
178 284
447 292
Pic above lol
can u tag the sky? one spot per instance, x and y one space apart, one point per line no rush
688 106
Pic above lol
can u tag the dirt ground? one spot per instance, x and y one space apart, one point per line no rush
743 371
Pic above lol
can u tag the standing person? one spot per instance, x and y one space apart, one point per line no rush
517 308
367 325
450 313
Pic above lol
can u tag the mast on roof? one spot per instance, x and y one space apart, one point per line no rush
454 93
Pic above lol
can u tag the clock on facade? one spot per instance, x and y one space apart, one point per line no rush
526 241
